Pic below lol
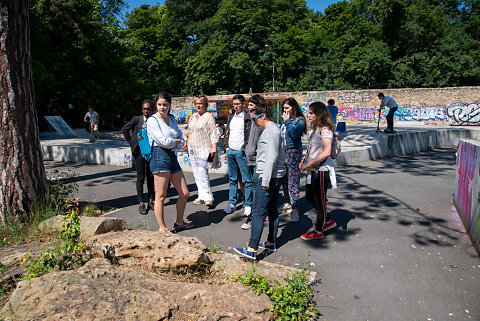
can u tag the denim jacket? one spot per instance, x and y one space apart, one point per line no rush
294 131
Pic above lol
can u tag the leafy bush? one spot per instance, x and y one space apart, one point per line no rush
60 258
291 301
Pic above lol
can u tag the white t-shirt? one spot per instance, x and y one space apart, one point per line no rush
164 135
236 137
316 146
389 102
93 116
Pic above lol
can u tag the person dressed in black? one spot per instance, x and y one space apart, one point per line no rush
141 165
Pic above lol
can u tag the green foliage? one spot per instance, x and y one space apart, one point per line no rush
144 225
62 186
228 46
61 258
292 301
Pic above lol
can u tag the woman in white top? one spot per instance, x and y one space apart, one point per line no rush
167 138
320 169
202 148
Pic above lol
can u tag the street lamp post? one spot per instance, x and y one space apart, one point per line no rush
273 67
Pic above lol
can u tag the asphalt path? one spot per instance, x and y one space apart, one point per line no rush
400 251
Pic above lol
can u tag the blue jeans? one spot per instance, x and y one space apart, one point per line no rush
265 203
237 161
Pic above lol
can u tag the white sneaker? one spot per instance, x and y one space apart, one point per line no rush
294 217
229 209
286 207
248 211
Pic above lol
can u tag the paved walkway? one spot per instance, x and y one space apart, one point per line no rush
400 252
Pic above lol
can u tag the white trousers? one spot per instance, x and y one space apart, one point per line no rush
200 173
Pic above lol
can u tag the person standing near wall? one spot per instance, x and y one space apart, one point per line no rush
392 108
320 168
293 128
141 165
94 118
235 141
333 111
271 171
202 148
251 149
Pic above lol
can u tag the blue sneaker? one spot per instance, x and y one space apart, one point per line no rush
243 251
270 248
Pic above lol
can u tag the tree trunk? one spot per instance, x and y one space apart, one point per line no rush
22 175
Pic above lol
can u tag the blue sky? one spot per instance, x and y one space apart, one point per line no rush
316 5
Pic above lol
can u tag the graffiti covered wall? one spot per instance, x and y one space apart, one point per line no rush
428 106
467 191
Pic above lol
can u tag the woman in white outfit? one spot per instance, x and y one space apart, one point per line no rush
202 148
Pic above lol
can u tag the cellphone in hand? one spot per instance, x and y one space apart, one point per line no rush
210 158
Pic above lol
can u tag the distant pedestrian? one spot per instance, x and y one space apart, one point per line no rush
293 128
392 108
167 139
141 165
235 141
333 111
271 171
93 118
320 168
202 149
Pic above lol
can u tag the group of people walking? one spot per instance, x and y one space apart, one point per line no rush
262 157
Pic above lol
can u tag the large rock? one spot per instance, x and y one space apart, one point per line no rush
152 250
100 291
89 226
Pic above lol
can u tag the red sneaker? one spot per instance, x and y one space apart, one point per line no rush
329 225
312 235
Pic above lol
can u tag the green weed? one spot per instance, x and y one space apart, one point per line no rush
61 186
144 225
61 258
291 301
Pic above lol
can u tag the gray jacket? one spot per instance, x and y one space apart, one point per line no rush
251 147
271 154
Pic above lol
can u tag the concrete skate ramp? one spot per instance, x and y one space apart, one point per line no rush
60 126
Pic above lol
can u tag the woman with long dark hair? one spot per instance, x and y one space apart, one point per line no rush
167 139
293 128
320 168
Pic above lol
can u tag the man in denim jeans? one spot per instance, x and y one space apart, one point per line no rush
236 138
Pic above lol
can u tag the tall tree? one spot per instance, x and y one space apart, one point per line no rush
22 175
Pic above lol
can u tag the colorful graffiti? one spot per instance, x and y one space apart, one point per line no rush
464 113
467 156
181 115
127 159
467 192
315 96
354 97
458 112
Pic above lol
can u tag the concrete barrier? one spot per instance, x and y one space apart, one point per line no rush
467 191
363 146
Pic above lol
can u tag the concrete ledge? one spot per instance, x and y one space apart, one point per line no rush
403 143
358 145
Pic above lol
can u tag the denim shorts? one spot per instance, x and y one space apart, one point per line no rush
164 161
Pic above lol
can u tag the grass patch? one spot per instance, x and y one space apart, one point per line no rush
61 187
291 301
